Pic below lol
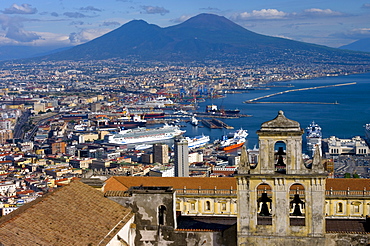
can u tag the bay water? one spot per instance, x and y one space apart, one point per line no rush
345 119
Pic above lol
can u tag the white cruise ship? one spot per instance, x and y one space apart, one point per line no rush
313 137
197 141
142 135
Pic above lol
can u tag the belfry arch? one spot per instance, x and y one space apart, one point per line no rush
283 200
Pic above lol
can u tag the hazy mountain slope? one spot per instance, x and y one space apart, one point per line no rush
359 45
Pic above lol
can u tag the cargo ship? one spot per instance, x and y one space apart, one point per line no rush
197 141
143 135
148 114
313 137
213 109
237 140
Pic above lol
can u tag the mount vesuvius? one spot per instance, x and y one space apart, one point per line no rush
201 38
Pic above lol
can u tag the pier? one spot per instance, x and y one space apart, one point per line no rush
221 124
295 102
210 124
301 89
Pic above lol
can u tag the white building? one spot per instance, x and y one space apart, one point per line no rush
355 145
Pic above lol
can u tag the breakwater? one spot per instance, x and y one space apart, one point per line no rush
255 100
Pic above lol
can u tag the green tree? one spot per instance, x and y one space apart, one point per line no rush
347 175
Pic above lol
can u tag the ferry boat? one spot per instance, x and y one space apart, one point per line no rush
197 141
237 140
142 135
313 137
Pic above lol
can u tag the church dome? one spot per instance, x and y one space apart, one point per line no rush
281 124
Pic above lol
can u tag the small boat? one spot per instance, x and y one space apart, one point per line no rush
143 146
194 121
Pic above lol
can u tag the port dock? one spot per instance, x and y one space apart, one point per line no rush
216 124
221 124
210 124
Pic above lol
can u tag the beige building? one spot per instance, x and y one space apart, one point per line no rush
160 153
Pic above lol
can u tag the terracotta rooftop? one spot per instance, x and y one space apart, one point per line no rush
75 214
344 184
124 183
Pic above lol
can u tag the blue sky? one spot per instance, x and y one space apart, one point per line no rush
71 22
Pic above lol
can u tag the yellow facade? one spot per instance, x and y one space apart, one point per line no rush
206 205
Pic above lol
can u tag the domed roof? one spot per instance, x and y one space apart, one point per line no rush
281 124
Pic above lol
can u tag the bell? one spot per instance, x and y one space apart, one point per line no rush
264 208
296 201
280 161
280 151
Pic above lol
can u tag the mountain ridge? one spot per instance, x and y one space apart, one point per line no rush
202 37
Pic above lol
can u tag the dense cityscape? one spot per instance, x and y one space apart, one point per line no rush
55 116
126 123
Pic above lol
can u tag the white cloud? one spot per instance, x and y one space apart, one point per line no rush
181 19
14 30
155 10
20 9
261 14
86 35
51 39
321 12
357 33
274 14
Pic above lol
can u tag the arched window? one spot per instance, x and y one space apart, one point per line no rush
161 214
207 206
264 203
297 205
280 157
223 206
340 207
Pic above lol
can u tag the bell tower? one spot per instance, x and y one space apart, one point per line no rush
281 200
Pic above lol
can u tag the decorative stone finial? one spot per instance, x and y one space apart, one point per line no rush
244 165
316 161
